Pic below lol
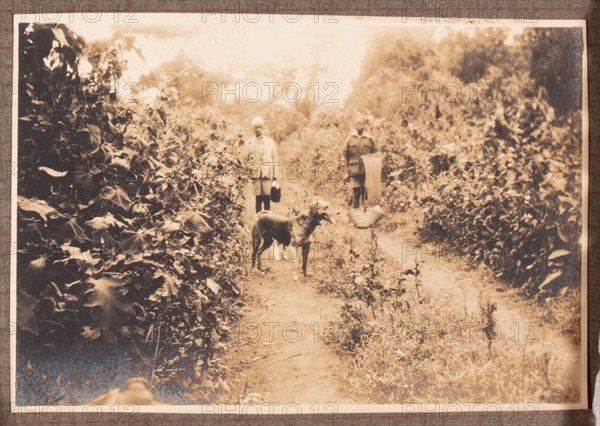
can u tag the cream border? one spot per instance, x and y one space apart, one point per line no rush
322 408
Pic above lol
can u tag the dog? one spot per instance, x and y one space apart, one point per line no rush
295 231
292 211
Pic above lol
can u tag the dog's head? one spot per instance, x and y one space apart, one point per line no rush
319 210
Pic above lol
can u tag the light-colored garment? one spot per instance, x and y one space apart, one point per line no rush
261 187
262 162
373 165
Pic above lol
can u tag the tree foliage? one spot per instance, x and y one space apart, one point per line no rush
471 56
127 224
493 170
555 63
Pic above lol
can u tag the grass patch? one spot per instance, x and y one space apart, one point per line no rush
400 345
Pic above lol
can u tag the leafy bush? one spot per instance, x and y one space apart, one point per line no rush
516 202
129 223
495 173
322 166
352 271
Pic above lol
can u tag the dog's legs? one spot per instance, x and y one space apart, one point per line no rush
256 238
267 241
297 263
276 254
285 252
305 249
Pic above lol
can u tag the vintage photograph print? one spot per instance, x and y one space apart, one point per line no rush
298 214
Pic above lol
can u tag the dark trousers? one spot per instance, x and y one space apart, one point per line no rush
358 193
263 199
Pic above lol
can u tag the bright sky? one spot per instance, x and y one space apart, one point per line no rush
252 51
252 48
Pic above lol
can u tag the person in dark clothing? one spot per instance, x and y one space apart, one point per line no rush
358 144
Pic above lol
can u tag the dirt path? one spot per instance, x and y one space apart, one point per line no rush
286 358
279 353
449 280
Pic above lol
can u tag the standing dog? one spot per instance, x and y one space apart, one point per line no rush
293 231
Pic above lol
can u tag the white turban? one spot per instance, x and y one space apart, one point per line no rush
257 121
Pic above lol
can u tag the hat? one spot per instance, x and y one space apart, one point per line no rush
361 119
258 121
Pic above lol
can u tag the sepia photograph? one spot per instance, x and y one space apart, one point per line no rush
298 214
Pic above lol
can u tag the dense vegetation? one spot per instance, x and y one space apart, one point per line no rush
482 141
127 230
492 173
131 225
404 342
